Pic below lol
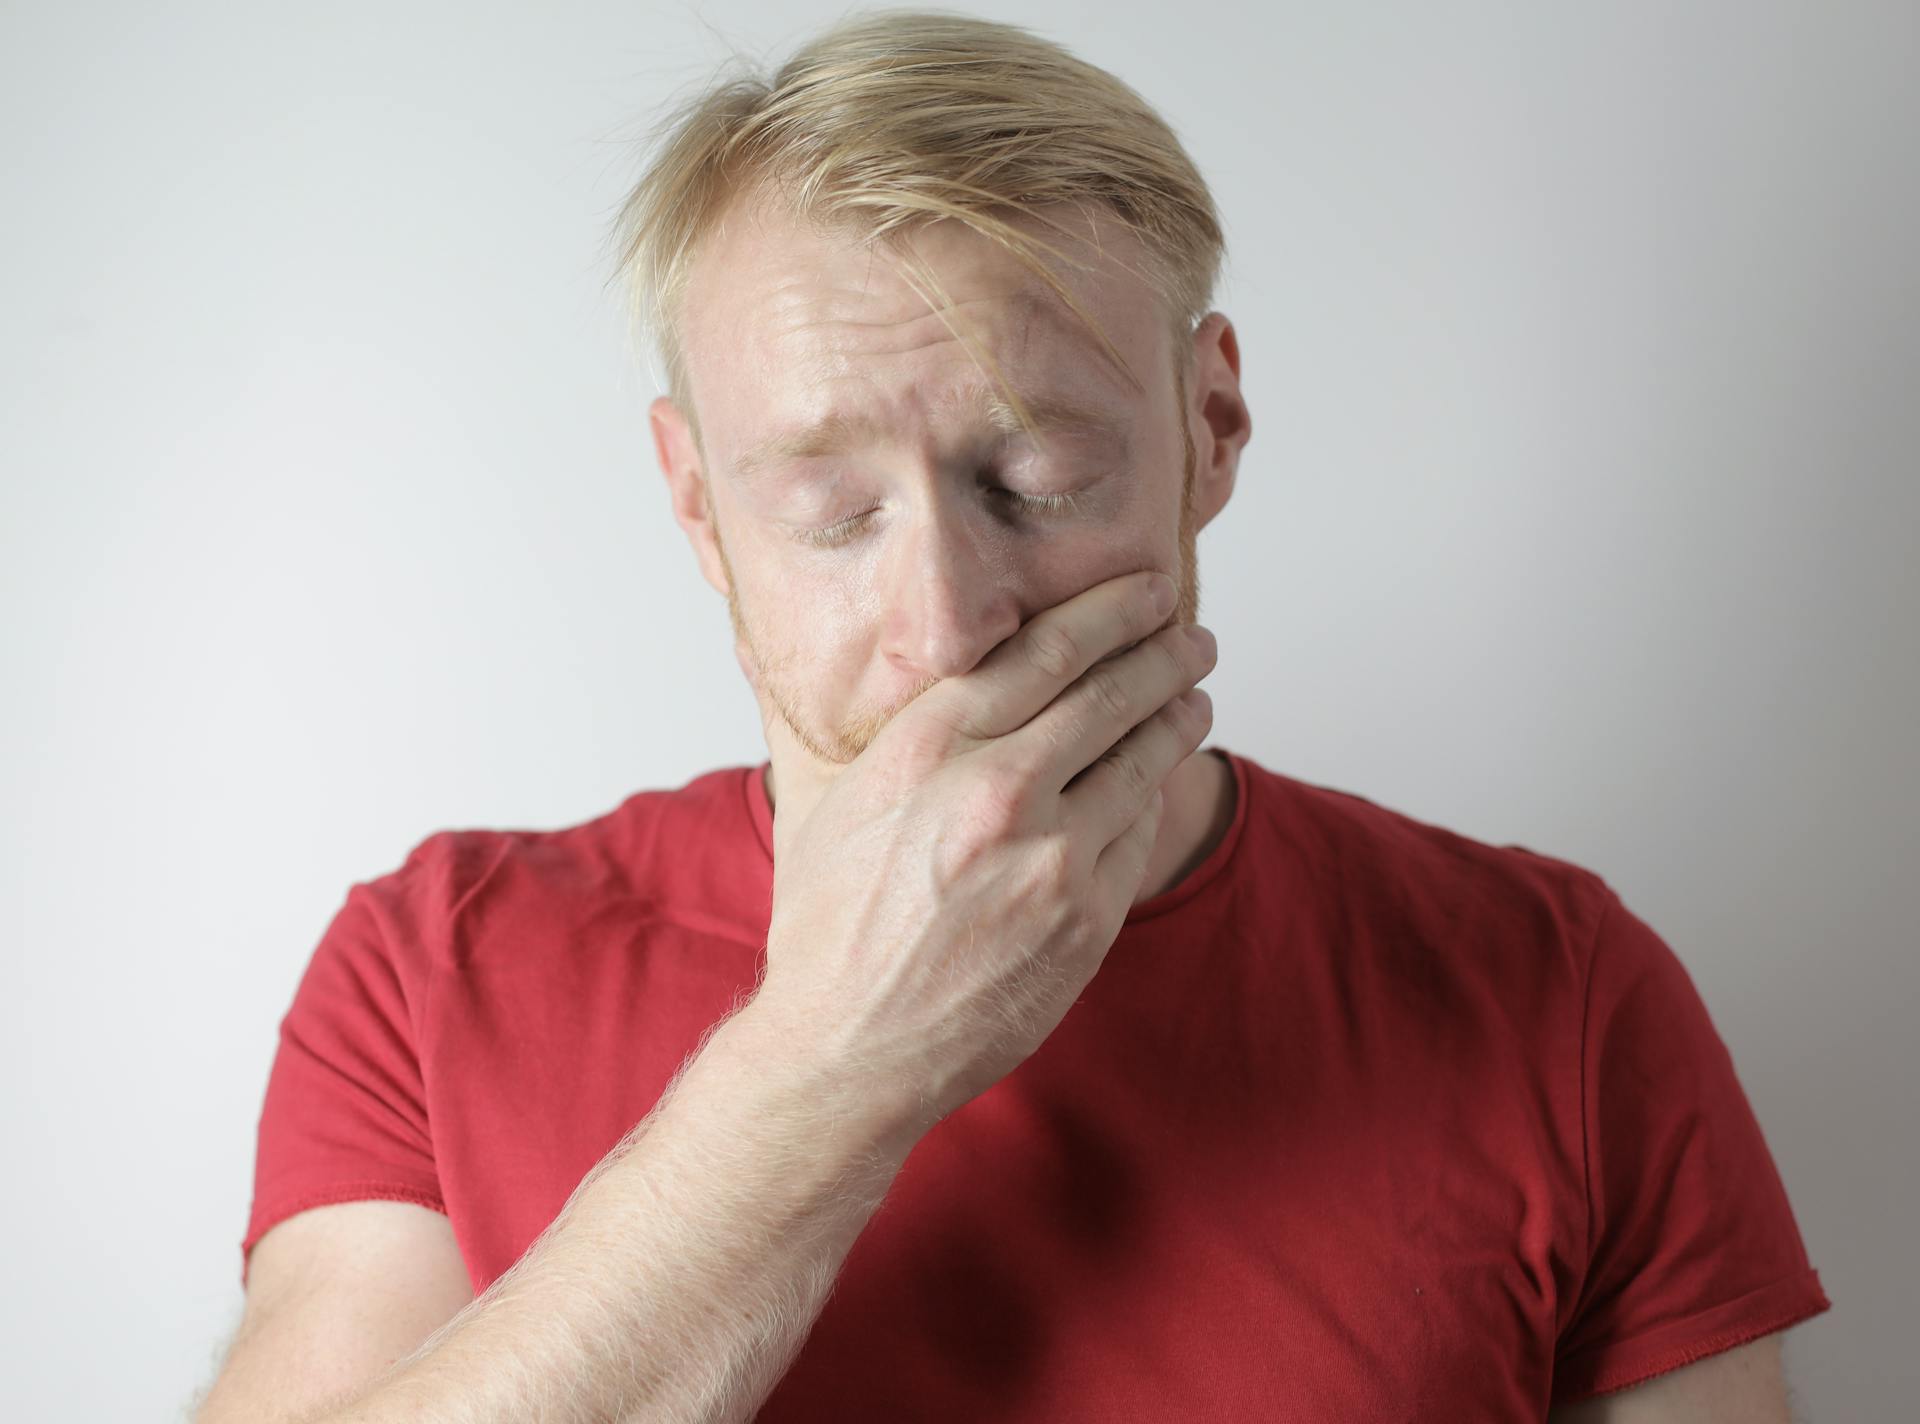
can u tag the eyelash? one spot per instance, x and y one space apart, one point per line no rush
836 534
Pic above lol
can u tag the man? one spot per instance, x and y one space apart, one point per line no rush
988 1052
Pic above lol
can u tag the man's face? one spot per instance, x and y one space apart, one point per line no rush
905 540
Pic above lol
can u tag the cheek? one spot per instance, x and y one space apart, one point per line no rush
814 621
1141 532
1073 565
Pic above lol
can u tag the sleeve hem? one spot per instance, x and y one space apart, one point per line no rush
1616 1364
270 1214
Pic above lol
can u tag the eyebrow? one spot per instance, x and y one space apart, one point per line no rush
837 432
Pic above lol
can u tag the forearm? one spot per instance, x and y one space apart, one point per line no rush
685 1271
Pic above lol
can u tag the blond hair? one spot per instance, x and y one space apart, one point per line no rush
894 118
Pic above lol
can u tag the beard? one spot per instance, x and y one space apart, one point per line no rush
838 745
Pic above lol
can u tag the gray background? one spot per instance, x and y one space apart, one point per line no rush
1580 512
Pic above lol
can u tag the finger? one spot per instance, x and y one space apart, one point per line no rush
1120 868
1105 800
1108 701
1031 667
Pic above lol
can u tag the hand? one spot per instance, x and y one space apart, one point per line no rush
961 880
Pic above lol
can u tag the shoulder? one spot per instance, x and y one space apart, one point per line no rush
648 846
1422 881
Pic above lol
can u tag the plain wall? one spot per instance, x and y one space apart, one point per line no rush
1580 512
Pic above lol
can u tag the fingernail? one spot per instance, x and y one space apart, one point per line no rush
1163 593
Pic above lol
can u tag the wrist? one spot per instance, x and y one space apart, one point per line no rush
859 1105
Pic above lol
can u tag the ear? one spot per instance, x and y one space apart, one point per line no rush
1226 423
680 462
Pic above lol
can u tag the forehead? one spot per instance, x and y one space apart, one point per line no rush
786 324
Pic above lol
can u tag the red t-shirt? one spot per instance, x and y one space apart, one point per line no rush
1362 1120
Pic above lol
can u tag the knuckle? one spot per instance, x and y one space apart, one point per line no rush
1180 714
1109 694
1001 800
1053 866
1053 649
927 737
1176 668
1128 771
1067 728
1059 727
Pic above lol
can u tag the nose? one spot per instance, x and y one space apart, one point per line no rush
949 601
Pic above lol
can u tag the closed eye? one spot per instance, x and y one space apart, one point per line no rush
832 535
1045 503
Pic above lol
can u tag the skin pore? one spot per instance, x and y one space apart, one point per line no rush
861 569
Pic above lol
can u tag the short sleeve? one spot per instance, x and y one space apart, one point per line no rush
1692 1245
345 1117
